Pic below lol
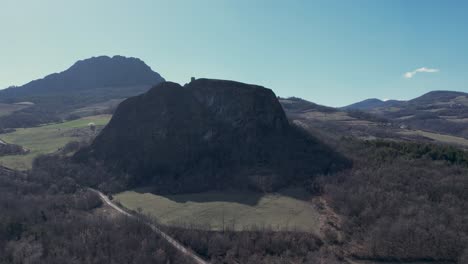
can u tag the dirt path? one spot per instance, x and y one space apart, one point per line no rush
168 238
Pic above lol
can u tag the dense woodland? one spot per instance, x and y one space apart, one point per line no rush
403 201
399 201
257 247
11 149
50 218
59 223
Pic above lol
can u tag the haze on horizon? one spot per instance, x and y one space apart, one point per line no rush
329 52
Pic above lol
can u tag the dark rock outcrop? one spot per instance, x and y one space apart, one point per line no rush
208 134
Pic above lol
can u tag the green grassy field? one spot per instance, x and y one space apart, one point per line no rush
234 210
45 139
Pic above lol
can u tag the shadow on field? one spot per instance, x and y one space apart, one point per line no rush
234 196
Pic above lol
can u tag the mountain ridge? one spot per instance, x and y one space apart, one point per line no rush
94 72
431 96
58 96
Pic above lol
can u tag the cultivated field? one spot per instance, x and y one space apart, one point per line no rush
47 139
233 209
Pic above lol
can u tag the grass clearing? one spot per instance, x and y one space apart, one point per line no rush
438 137
45 139
237 210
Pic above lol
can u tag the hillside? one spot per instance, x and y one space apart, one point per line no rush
330 124
366 104
92 73
47 139
208 134
87 82
438 97
443 112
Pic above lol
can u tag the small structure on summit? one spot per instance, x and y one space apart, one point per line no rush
92 127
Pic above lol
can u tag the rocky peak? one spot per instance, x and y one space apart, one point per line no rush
208 134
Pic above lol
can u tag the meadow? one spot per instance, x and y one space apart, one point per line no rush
47 139
446 139
233 210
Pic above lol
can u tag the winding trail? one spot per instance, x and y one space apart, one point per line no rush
197 259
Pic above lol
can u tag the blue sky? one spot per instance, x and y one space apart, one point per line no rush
329 52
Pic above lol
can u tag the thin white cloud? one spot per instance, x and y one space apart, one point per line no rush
409 75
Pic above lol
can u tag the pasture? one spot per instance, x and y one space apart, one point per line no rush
47 139
236 210
442 138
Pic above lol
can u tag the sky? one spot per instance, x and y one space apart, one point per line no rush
329 52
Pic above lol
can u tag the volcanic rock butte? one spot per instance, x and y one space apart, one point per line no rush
208 134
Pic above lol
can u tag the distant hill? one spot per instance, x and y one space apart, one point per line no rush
208 134
437 111
86 82
88 74
295 104
372 103
438 97
429 99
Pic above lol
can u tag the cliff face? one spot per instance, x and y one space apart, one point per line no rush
209 134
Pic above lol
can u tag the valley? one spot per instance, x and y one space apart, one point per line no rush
47 139
234 132
234 174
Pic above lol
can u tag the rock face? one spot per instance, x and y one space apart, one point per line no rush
208 134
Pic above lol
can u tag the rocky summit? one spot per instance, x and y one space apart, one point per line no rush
208 134
89 74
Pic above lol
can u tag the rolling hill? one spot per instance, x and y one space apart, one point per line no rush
329 123
371 104
437 111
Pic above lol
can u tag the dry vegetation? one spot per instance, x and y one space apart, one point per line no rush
400 203
51 220
403 202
